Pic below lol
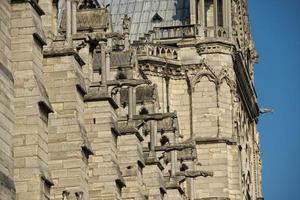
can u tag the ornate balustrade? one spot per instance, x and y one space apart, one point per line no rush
187 31
219 32
177 31
157 51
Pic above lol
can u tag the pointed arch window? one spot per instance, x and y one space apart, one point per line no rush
157 18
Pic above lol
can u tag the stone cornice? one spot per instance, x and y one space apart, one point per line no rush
213 140
194 174
215 46
246 87
153 161
100 96
63 51
178 147
128 82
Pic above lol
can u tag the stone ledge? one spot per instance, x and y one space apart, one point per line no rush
194 174
41 41
33 3
128 82
178 147
174 185
207 140
153 161
214 198
63 51
126 129
100 96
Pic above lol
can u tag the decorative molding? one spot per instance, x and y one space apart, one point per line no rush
63 51
212 47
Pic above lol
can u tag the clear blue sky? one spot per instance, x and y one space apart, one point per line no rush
276 31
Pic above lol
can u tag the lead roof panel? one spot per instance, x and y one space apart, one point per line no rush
173 12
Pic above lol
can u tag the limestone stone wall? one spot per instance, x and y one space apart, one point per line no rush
204 108
104 169
60 125
7 186
68 162
212 157
31 103
180 102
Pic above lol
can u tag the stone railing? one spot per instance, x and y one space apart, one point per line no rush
184 31
219 32
188 31
157 51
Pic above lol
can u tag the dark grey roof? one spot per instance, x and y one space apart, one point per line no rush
172 12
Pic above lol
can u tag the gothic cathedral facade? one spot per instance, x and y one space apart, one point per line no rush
128 100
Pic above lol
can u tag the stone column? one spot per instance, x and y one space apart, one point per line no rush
201 8
130 103
107 62
68 23
74 18
216 17
126 42
174 158
103 64
153 138
229 20
173 163
225 14
193 12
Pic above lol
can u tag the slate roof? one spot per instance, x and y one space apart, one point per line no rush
172 12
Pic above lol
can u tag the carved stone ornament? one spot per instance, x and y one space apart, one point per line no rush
126 22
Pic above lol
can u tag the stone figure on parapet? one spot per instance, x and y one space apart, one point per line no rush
126 22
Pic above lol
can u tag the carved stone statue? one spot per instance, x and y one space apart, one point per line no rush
126 22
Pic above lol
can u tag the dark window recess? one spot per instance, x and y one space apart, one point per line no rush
220 13
46 191
39 40
86 152
120 184
80 90
121 74
46 186
44 111
144 111
157 18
